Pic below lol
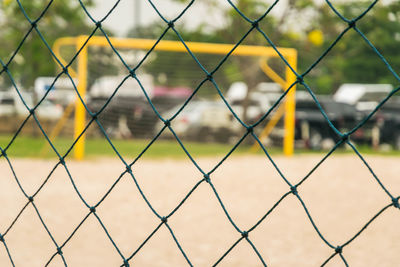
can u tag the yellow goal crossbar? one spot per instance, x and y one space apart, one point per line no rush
264 52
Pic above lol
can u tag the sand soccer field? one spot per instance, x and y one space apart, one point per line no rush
341 196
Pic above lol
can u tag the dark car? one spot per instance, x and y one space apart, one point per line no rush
312 128
142 118
131 114
117 111
388 121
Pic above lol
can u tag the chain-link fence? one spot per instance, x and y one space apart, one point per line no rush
243 235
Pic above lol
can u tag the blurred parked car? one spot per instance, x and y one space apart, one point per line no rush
105 86
62 92
204 121
116 112
143 118
135 113
254 110
388 121
127 101
258 99
313 130
364 97
342 116
12 105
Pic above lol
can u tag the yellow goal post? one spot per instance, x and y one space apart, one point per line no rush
81 74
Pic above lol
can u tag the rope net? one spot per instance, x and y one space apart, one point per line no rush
206 176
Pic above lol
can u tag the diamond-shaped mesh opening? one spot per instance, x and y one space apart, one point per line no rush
339 224
240 190
363 248
287 228
39 243
196 231
208 206
67 211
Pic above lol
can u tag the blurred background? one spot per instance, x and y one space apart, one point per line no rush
55 204
350 81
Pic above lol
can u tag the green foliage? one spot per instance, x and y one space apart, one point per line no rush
351 60
27 146
63 18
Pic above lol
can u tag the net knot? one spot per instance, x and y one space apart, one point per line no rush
65 70
209 77
245 234
62 161
300 79
338 249
167 123
59 251
98 24
293 189
255 24
352 23
4 153
31 111
34 24
30 199
207 178
128 169
126 263
171 24
5 68
1 238
396 202
250 129
95 115
345 137
164 219
132 73
92 209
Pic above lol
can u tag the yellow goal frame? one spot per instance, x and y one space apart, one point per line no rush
264 52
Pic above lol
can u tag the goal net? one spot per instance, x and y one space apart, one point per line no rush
218 99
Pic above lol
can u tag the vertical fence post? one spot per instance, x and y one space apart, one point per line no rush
80 111
290 106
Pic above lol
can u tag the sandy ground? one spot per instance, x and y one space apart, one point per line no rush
341 196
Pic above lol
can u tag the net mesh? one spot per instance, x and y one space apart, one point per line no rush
208 76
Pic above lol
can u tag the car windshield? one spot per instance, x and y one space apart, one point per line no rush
372 96
29 101
7 101
306 106
250 102
336 107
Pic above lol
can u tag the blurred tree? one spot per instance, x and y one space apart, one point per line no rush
310 27
63 18
351 60
356 62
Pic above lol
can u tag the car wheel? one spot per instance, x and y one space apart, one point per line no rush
111 130
132 126
224 136
396 140
205 135
108 126
315 140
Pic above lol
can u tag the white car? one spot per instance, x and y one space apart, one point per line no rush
12 105
365 97
205 121
259 99
104 86
62 92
